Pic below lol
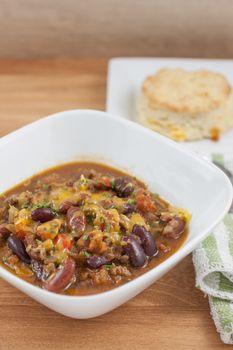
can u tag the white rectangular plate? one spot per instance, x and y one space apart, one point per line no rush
125 76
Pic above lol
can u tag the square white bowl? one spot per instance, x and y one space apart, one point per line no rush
180 176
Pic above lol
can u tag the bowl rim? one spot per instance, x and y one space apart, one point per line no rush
183 251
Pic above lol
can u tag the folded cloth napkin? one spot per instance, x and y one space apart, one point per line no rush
213 262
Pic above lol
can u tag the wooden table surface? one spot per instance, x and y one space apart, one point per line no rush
171 314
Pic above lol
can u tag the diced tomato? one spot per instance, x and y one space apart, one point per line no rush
63 241
104 182
144 202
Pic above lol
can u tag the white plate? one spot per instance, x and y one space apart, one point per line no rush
178 175
125 76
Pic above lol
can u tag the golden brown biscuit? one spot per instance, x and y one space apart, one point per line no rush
186 105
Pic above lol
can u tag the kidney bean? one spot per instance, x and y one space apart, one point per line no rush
76 219
18 248
123 186
4 232
65 206
129 208
71 211
135 252
148 242
95 261
62 278
174 228
42 214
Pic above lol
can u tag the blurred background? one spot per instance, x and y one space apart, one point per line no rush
54 56
96 28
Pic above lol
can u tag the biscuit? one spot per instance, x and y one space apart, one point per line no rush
186 105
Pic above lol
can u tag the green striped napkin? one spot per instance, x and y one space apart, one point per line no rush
213 262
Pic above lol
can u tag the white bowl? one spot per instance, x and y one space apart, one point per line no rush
180 176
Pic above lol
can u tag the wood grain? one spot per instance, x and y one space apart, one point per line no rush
171 314
40 28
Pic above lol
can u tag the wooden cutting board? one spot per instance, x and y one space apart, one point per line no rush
171 314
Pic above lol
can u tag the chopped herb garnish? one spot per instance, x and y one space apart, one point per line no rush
45 187
41 205
86 254
44 205
4 259
83 179
102 220
26 206
56 211
131 201
108 267
107 227
112 183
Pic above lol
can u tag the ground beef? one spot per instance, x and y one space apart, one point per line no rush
120 271
101 277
